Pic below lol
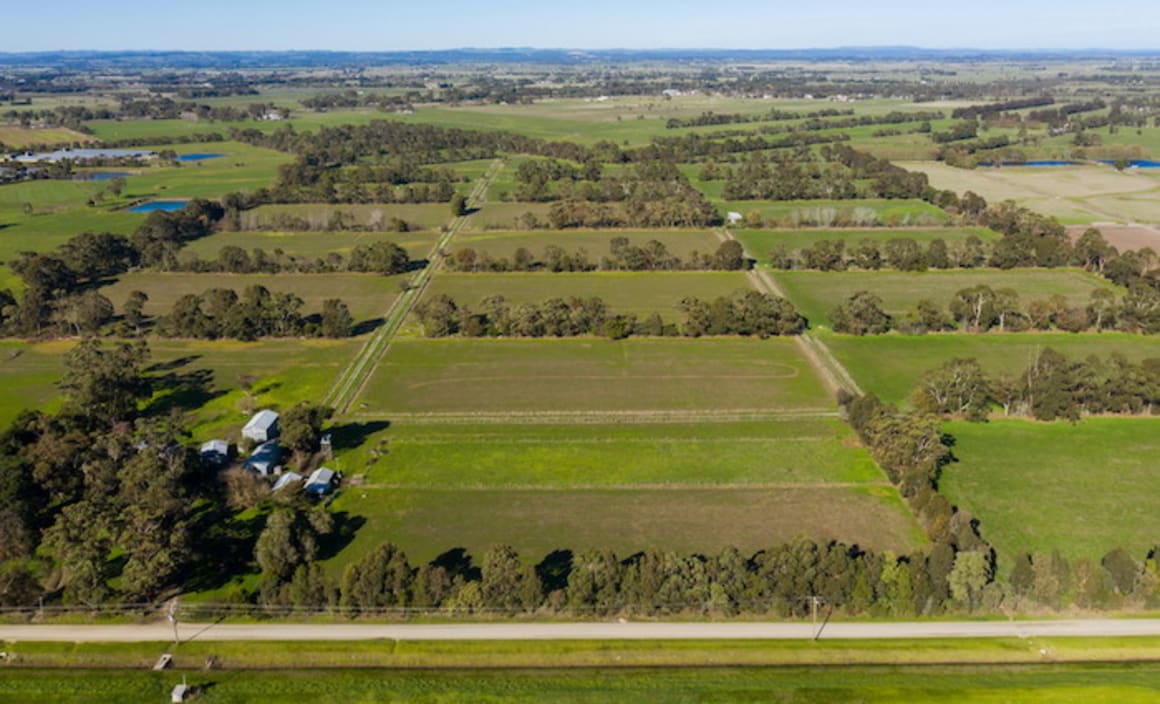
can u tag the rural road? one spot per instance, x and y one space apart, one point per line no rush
163 632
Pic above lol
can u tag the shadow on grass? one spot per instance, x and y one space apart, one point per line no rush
226 547
182 391
348 436
457 562
365 326
554 569
346 527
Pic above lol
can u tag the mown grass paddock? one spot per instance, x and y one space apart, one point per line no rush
817 293
593 376
1082 489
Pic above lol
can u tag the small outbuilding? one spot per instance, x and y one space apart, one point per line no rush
179 693
287 479
263 427
320 482
733 217
265 459
215 453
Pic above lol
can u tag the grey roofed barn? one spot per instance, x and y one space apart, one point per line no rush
263 427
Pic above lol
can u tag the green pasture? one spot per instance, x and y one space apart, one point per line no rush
592 376
596 243
367 295
1083 489
1058 684
890 365
429 522
310 244
28 373
640 294
505 216
817 293
758 243
815 213
467 455
18 137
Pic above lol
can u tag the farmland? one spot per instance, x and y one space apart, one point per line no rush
310 244
591 376
499 243
1039 487
836 213
625 293
890 365
816 294
759 242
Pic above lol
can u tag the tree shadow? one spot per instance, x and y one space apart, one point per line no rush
366 326
226 547
554 569
416 265
348 436
346 527
172 364
182 391
457 563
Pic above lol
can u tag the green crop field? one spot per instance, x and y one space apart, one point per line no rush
594 242
429 522
1083 489
367 295
505 216
640 294
310 244
594 376
816 293
823 213
758 243
890 365
1032 684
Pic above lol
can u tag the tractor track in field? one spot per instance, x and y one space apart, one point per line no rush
833 373
359 371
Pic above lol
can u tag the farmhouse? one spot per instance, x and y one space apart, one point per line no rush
263 427
265 458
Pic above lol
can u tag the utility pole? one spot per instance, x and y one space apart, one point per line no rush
172 616
815 602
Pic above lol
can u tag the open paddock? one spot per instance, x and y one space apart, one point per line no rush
429 522
817 293
1083 489
591 375
890 365
1123 237
640 294
19 137
471 455
505 216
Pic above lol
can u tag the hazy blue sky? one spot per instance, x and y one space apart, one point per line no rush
367 25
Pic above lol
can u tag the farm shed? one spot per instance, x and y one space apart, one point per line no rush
320 482
215 453
265 458
263 427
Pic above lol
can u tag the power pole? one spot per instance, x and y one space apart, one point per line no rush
172 616
815 602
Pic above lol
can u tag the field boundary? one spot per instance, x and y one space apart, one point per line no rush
354 378
834 375
601 417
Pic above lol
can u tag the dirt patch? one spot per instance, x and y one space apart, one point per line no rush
1123 237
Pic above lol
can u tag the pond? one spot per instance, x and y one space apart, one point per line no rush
199 156
166 205
100 175
1136 163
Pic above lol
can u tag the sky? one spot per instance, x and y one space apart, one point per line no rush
393 25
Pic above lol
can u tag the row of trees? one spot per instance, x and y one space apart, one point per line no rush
256 313
1051 387
901 253
981 309
651 256
386 258
709 118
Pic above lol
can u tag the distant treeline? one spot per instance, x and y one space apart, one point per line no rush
708 118
257 313
972 112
